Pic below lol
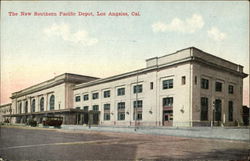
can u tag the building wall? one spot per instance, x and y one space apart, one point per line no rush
58 91
152 98
5 110
213 75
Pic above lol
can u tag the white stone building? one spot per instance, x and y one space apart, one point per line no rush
52 97
186 88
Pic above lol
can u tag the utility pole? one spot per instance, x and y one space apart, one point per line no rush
136 100
213 107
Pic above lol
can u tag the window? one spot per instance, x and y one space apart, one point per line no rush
33 105
121 105
106 94
195 80
166 84
106 116
85 108
42 104
204 109
168 101
138 88
183 80
78 108
95 96
230 111
151 85
121 115
95 108
26 107
217 110
139 104
120 91
78 98
20 107
230 89
138 114
204 83
52 102
218 86
106 107
85 97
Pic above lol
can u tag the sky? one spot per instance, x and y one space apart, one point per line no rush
37 48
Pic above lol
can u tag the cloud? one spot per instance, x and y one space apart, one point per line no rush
189 25
63 31
215 34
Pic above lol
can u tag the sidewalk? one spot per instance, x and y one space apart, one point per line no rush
226 133
232 133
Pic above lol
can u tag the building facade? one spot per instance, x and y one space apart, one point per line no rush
5 109
49 98
186 88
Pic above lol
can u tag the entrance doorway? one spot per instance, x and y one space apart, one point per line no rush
85 118
167 118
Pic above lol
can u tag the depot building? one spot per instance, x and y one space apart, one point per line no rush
186 88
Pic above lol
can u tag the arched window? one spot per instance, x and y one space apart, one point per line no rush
33 105
42 104
20 107
26 107
52 102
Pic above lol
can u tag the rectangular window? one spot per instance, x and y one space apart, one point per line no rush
106 106
121 105
217 110
138 114
78 98
120 91
195 80
168 101
85 108
139 104
121 116
95 108
138 88
230 89
204 109
106 94
218 86
85 97
204 83
151 85
166 84
230 111
95 96
183 80
106 116
78 108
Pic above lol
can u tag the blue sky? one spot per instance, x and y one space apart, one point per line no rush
34 49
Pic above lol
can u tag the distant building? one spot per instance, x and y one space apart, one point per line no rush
186 88
5 110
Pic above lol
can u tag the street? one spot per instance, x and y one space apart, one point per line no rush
22 143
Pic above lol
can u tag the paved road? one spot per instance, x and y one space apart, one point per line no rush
50 144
